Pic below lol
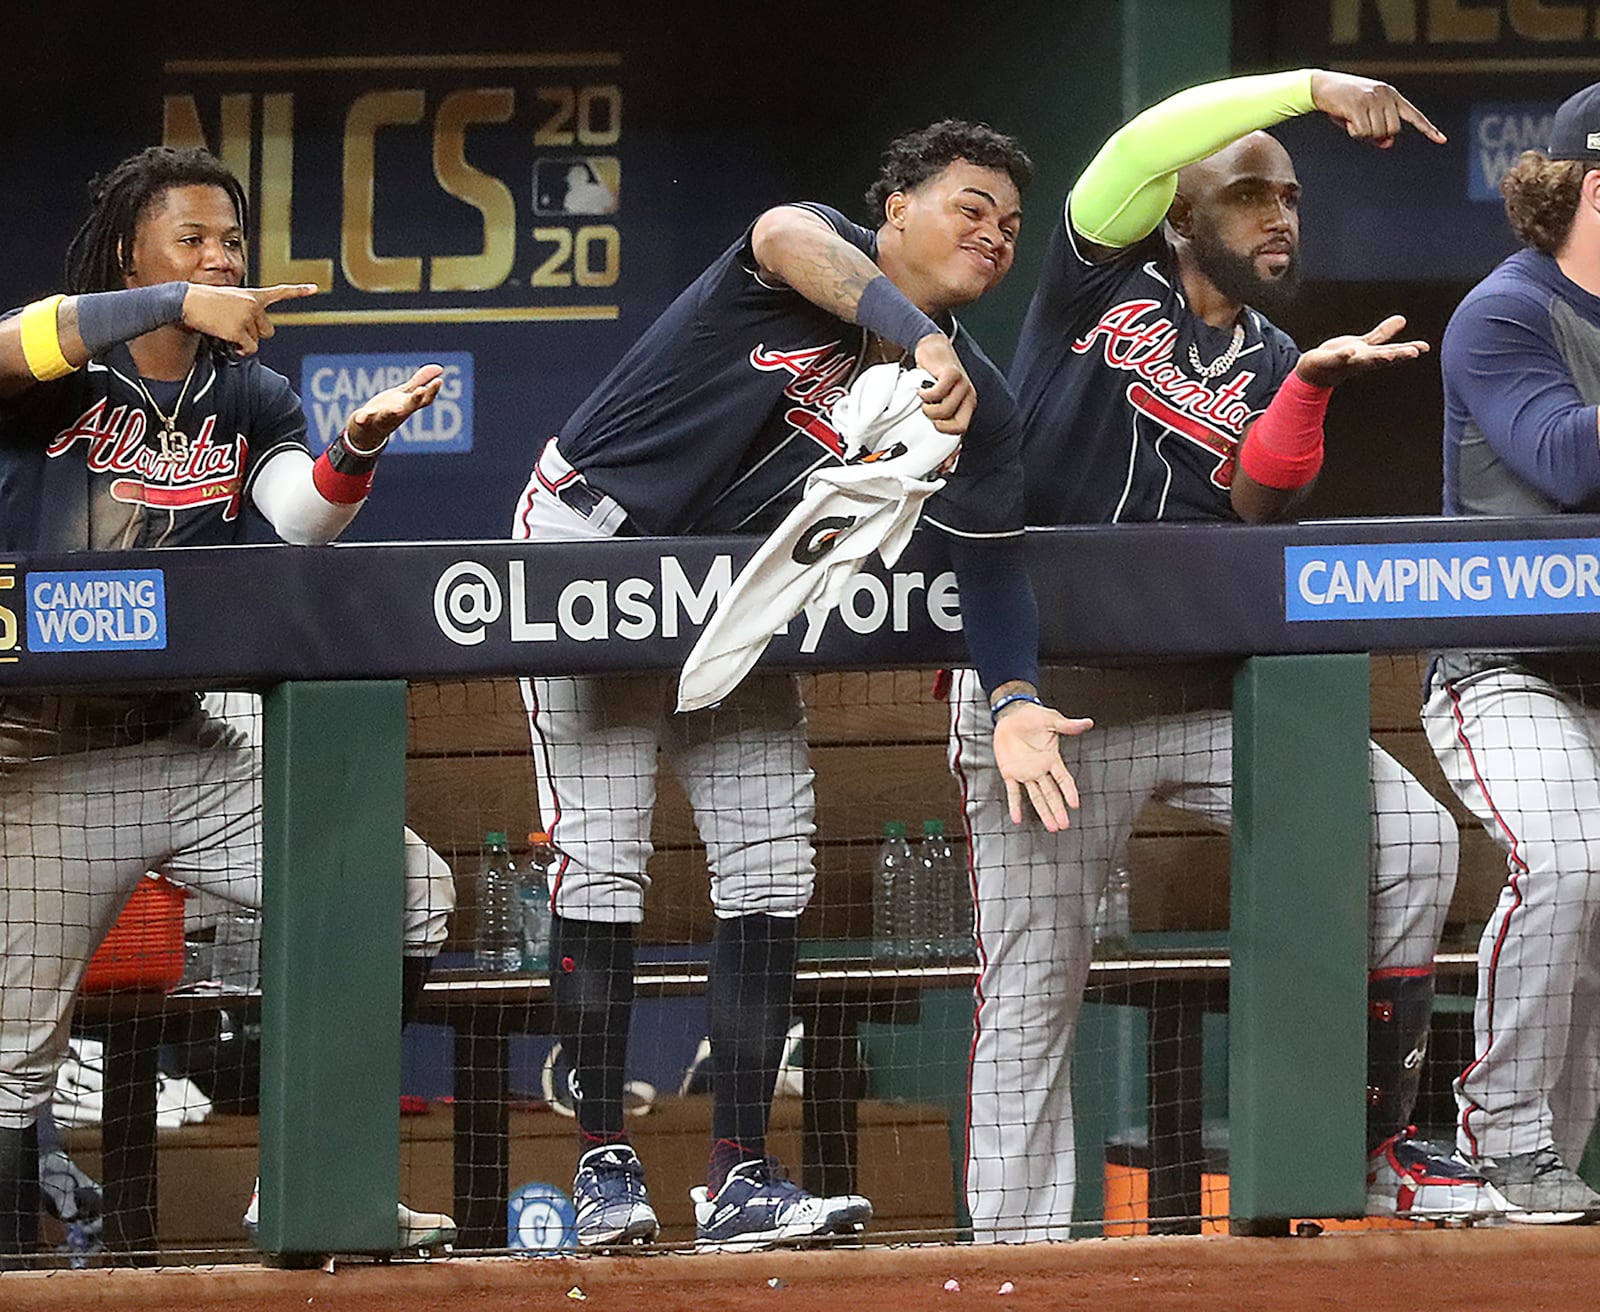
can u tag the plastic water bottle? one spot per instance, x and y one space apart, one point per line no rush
1113 922
891 892
942 904
498 945
533 895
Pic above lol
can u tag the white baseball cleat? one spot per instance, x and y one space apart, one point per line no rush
1417 1180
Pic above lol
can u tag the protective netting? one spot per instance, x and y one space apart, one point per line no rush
1051 1062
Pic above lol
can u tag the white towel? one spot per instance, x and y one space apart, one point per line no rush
871 503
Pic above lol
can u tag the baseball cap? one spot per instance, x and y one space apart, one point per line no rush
1575 129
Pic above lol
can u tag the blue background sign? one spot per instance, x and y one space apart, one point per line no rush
97 610
331 386
1554 576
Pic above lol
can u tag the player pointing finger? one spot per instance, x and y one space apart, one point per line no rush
1368 110
237 315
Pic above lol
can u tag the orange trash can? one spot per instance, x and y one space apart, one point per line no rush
144 950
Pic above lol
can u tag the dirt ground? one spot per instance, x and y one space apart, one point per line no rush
1511 1269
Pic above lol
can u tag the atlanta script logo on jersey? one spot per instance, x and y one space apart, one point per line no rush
821 377
1135 337
201 473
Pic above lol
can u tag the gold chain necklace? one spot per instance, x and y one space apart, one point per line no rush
1223 362
879 351
174 441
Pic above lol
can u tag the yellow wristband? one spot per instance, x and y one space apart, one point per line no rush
41 340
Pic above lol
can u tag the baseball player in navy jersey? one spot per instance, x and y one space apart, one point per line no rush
711 424
134 413
1153 388
1518 733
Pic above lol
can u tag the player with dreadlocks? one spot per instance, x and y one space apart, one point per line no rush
134 413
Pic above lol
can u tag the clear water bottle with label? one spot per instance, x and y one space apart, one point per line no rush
942 903
498 945
891 893
534 902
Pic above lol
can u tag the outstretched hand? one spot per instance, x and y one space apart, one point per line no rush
1029 757
1340 358
1368 110
374 420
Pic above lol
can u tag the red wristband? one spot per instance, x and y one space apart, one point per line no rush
1283 449
341 476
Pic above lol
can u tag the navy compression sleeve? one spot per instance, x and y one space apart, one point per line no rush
999 614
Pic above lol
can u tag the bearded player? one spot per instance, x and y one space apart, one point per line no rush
1154 388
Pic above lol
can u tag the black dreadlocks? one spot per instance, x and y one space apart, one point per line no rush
98 256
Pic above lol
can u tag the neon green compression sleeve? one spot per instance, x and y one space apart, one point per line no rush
1126 189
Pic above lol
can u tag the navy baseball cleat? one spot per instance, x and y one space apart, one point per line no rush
759 1207
1421 1181
609 1195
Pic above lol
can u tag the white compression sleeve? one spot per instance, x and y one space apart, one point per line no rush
283 491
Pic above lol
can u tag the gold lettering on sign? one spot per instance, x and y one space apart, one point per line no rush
488 195
1455 20
1398 19
1541 21
8 617
275 261
363 266
180 129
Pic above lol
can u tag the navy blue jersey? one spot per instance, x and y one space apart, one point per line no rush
713 419
84 466
1521 363
1119 425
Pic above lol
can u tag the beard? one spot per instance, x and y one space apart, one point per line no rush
1236 275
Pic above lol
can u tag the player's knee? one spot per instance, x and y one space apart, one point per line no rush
430 896
772 895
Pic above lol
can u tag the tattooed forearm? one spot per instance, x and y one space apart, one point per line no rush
797 248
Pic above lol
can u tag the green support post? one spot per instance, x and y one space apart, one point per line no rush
332 863
1297 995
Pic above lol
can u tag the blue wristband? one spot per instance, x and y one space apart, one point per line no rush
885 310
994 711
106 318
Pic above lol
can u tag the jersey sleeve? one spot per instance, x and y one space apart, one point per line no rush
1072 287
277 423
1502 364
982 496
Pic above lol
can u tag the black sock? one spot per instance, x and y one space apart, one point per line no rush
591 985
750 1001
413 975
1399 1015
19 1195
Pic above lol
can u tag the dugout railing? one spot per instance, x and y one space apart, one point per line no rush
334 633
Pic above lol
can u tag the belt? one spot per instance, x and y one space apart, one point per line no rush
572 489
582 495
